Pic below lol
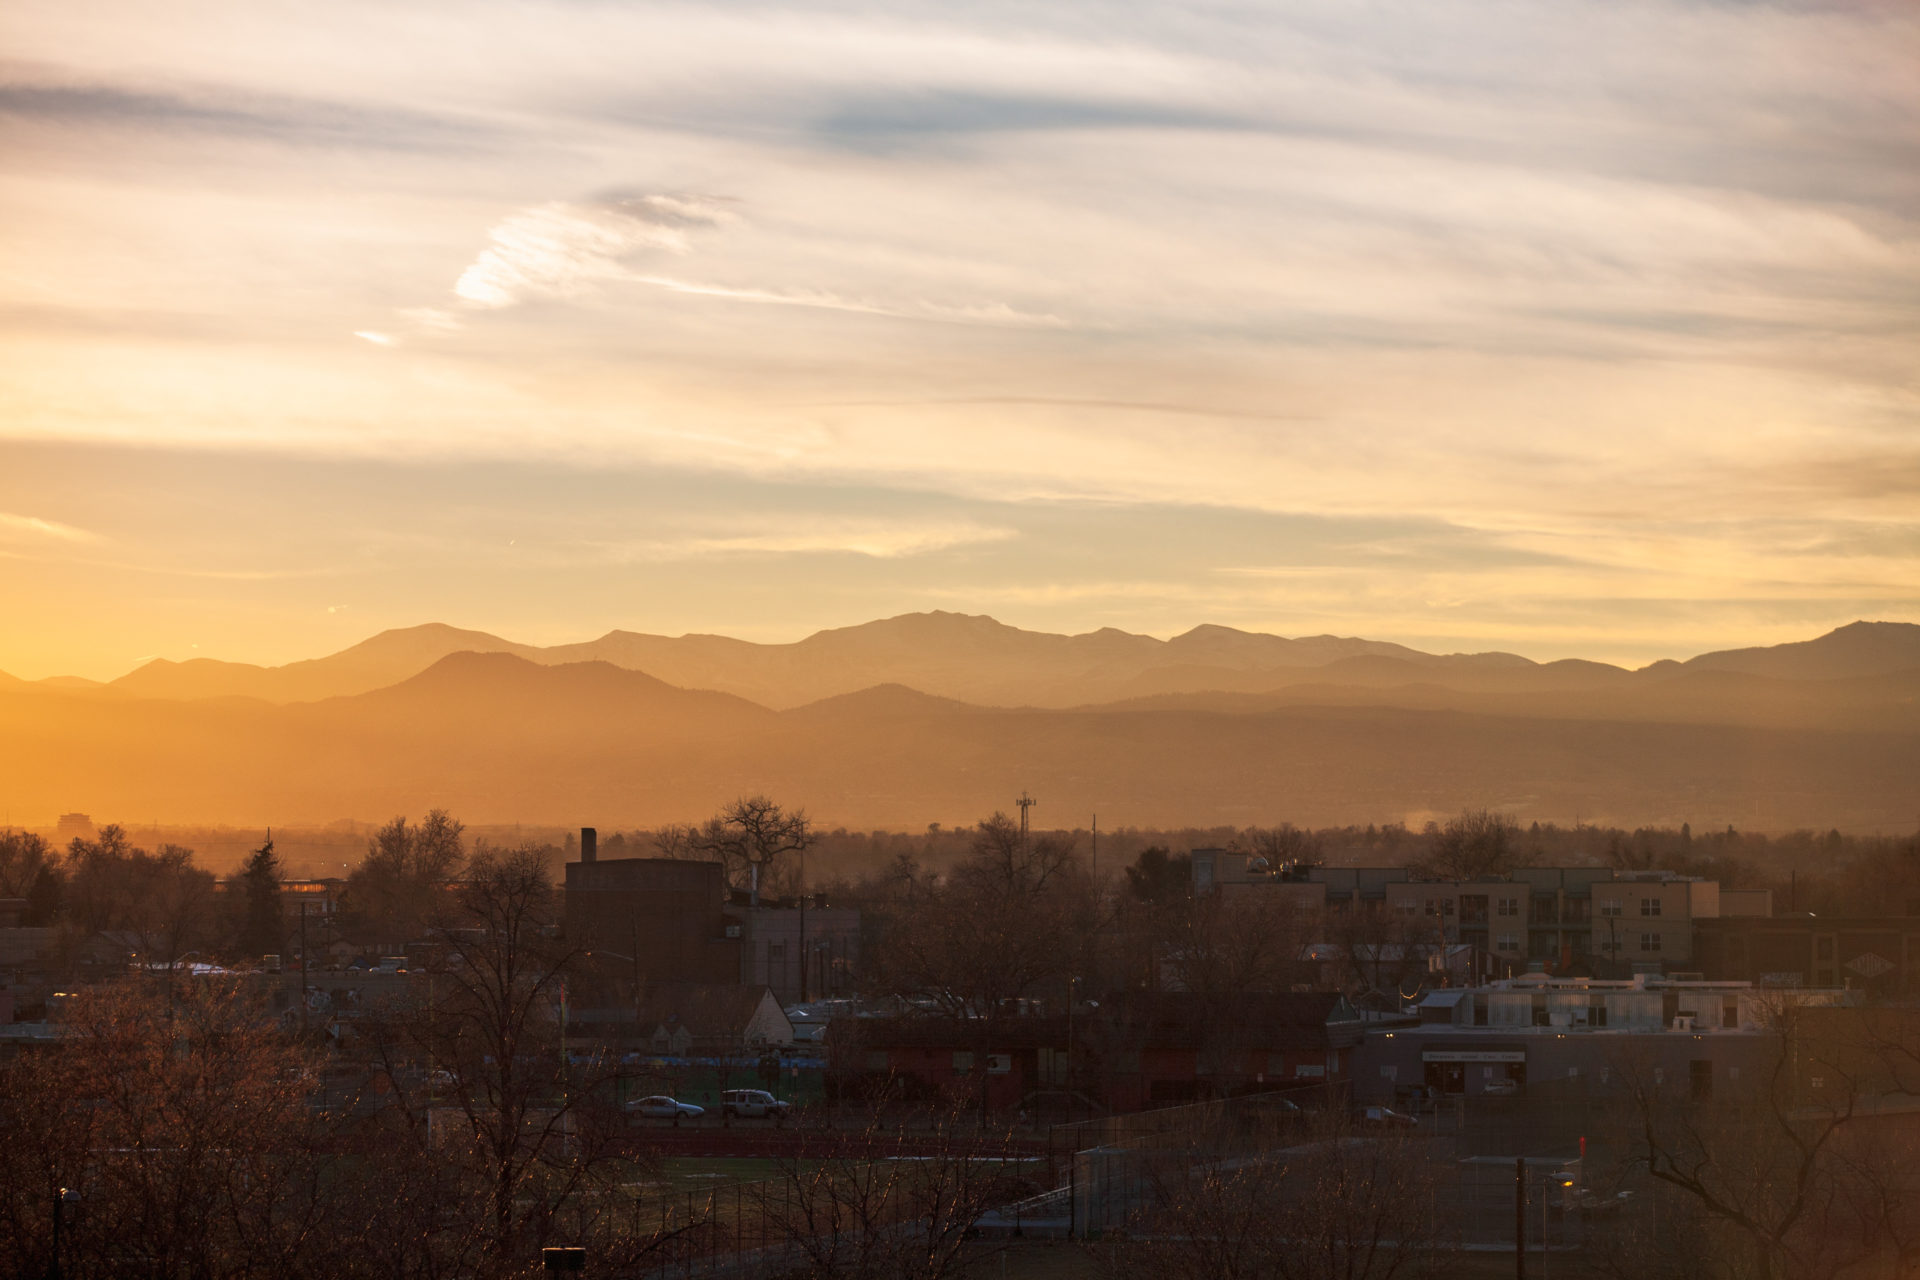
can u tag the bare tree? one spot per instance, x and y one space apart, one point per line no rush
1477 845
1766 1175
1233 945
863 1213
750 837
1377 951
675 840
182 1126
1324 1204
489 1045
1282 844
402 881
1003 921
24 857
160 900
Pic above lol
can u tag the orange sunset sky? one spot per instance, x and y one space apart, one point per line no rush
1566 328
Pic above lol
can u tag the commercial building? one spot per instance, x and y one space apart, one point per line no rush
651 920
1130 1051
803 952
1561 918
1876 955
1581 1036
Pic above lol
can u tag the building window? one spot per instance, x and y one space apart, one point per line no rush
1609 906
1507 942
1509 906
1649 942
1649 906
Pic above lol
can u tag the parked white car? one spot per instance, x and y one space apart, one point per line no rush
753 1104
661 1107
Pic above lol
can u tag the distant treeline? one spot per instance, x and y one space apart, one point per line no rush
1827 872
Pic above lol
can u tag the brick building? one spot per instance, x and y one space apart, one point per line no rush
1130 1051
1877 955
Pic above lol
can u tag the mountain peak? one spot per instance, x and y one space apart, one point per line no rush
1859 648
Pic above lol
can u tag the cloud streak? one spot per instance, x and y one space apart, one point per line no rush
1626 292
566 252
36 529
561 250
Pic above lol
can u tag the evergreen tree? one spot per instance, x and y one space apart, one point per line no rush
262 923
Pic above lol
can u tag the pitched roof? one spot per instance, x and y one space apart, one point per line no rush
708 1012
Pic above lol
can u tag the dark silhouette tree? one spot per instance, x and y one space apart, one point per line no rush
262 924
1004 921
160 904
1477 845
403 880
1157 876
23 855
751 837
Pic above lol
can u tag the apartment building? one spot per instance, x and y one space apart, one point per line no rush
1557 917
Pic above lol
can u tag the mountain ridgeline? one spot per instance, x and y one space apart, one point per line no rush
942 717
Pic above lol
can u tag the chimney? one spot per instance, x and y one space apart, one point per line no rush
589 844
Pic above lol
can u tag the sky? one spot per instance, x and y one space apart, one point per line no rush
1569 328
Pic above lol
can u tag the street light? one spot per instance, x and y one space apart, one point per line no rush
65 1197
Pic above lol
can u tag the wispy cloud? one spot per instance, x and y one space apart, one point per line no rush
567 251
564 250
34 528
874 539
993 313
216 110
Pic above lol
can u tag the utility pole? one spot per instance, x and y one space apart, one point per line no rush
1093 867
1025 802
803 926
1520 1218
1072 984
303 965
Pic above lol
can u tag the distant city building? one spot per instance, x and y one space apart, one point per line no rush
1564 918
1580 1036
649 920
74 826
1876 955
652 920
801 954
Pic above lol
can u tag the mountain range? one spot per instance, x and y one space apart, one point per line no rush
946 717
978 660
